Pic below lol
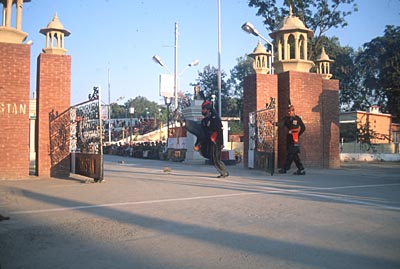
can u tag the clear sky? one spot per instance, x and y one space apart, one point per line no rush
122 36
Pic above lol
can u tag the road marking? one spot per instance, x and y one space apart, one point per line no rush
351 201
305 192
129 203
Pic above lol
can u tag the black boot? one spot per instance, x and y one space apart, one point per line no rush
300 172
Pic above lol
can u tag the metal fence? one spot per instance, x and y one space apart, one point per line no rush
262 137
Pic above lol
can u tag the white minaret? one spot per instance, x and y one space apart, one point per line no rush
9 34
55 34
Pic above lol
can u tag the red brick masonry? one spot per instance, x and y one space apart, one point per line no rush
14 110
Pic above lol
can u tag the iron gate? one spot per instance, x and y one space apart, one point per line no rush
262 136
86 143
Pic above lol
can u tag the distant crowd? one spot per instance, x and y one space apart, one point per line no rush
146 150
122 128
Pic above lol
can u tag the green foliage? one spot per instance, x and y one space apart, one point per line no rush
345 70
243 68
143 108
184 99
370 76
379 65
236 127
208 81
348 132
118 111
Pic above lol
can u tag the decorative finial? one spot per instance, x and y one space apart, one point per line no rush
290 10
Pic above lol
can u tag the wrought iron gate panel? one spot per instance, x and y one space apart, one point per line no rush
59 143
86 141
78 130
86 126
262 132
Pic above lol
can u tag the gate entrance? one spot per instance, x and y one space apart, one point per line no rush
262 138
76 139
86 143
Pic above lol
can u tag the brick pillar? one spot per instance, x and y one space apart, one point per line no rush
14 110
53 98
330 105
316 101
257 91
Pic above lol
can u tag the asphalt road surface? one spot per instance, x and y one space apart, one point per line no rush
158 214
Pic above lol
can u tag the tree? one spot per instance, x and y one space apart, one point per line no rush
184 99
379 63
319 16
345 70
208 83
143 107
243 68
118 111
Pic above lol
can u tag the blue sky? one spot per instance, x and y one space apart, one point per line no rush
122 36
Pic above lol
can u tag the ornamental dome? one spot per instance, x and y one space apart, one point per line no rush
292 24
56 25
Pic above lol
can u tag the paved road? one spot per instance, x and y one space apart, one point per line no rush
145 217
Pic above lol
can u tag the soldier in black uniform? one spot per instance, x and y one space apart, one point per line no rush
209 137
296 128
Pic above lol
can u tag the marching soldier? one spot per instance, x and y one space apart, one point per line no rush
209 136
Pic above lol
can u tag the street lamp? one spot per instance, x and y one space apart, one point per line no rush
158 60
250 29
131 112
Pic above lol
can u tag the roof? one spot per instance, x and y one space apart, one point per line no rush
292 24
55 24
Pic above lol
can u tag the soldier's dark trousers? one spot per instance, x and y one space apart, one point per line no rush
293 155
216 159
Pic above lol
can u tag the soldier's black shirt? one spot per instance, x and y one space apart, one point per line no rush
293 123
211 124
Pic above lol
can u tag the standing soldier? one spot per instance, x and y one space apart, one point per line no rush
296 128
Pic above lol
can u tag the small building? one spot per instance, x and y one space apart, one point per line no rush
370 128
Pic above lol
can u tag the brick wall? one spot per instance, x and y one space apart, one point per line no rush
316 101
258 89
54 97
14 110
330 97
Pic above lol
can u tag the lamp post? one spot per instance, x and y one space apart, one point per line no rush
131 112
219 77
158 60
250 29
167 101
159 122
